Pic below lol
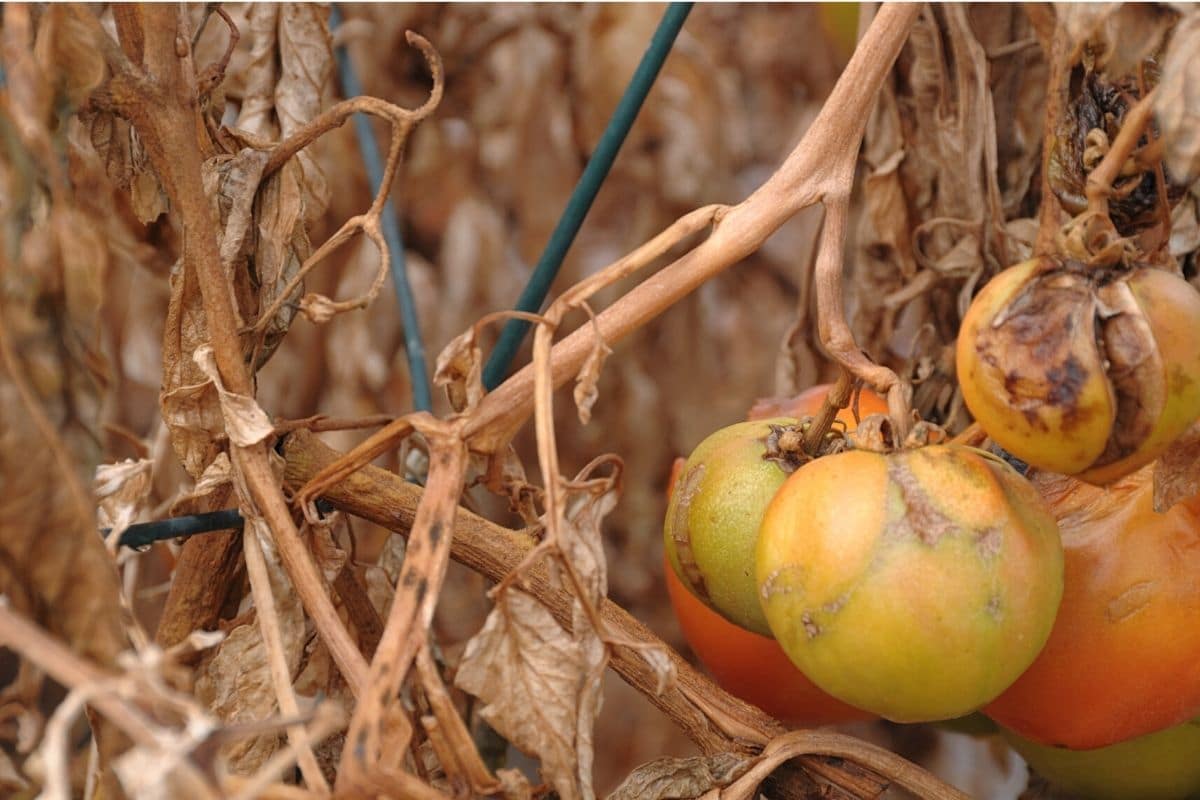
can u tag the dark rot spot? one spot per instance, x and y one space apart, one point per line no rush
422 589
1066 382
435 532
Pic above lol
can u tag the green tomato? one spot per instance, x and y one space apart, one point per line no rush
712 520
1158 766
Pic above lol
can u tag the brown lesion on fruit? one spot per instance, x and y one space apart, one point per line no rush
1044 347
681 534
995 606
1130 601
1135 370
989 542
914 514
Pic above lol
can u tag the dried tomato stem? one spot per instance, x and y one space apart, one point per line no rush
1100 180
837 399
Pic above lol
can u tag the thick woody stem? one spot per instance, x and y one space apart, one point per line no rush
814 170
494 551
163 106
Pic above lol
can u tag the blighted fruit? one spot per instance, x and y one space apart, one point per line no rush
1087 372
1123 659
714 514
917 585
1159 766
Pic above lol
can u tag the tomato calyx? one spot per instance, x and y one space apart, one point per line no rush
785 444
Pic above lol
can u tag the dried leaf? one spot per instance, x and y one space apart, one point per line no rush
245 421
528 672
587 382
306 62
1177 471
64 49
234 681
121 490
1177 104
261 73
459 371
680 778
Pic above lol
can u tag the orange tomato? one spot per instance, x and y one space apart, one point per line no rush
745 664
1123 659
752 667
809 402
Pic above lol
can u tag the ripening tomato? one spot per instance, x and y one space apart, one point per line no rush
809 402
1123 659
748 665
917 585
1158 766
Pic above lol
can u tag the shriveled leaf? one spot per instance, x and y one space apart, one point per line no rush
682 778
234 681
459 371
261 73
245 421
306 62
1132 34
528 672
1177 104
587 382
65 49
1177 472
121 490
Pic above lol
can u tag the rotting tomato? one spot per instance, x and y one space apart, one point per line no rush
1158 766
917 584
1123 659
1083 371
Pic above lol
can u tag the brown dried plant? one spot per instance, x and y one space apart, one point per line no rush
177 152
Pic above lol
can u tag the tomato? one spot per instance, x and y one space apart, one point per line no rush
1158 766
714 513
748 665
753 667
917 585
1088 372
809 402
1123 659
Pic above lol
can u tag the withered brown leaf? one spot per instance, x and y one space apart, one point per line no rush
672 778
1177 471
531 676
1177 104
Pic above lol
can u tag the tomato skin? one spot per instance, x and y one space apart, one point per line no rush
751 667
1082 372
713 517
1158 766
1123 659
917 585
809 402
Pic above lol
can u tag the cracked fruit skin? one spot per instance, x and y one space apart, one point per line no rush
714 514
917 585
1158 766
1123 659
1083 372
